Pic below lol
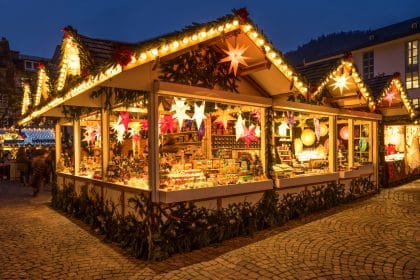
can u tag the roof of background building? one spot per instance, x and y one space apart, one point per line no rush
339 43
316 73
377 84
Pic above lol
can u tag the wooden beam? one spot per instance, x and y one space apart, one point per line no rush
263 65
354 106
335 98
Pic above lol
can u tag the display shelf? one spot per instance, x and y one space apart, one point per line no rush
214 192
303 180
359 172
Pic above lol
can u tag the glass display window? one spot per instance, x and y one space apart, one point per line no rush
301 144
65 163
394 143
344 157
362 142
412 136
128 146
204 144
91 146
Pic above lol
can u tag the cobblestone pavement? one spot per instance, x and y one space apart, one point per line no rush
375 238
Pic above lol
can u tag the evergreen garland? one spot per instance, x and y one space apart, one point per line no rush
199 67
75 112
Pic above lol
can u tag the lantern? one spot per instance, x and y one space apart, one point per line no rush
308 137
324 129
344 132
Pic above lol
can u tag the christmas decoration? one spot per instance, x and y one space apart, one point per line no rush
239 127
180 109
199 115
224 117
308 137
298 145
341 82
323 129
249 135
144 125
125 119
235 57
390 96
122 55
344 132
317 129
119 129
167 124
256 114
282 129
201 131
26 98
291 119
258 131
302 124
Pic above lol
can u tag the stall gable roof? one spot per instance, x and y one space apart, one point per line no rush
325 76
27 100
93 51
42 85
391 94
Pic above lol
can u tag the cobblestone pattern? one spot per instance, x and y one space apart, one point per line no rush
376 238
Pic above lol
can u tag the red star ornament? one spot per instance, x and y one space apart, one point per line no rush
125 119
249 135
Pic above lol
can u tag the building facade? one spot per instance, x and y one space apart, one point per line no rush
15 69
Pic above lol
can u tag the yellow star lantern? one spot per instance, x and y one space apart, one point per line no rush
223 117
180 109
341 83
235 56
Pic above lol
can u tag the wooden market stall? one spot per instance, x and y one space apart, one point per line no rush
179 118
400 132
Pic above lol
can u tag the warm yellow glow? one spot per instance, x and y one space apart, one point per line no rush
341 82
26 98
235 57
70 62
42 86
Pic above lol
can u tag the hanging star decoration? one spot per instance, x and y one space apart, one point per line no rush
235 57
340 82
180 109
239 127
167 124
119 129
282 130
224 117
302 124
98 132
390 96
199 115
258 131
317 129
135 131
125 119
89 135
249 135
256 114
144 125
291 119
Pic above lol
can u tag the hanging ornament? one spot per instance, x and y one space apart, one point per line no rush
302 124
256 114
235 57
119 129
98 132
258 131
167 124
341 82
390 96
317 129
308 137
144 125
344 132
199 115
224 117
180 109
291 119
125 119
283 127
324 129
249 135
201 132
134 128
239 127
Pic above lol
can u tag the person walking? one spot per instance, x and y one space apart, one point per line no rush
38 170
23 166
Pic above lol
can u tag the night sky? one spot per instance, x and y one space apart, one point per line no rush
34 27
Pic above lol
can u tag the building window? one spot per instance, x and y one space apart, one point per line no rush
412 65
416 102
368 65
31 65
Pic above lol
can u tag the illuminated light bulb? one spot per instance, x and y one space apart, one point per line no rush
260 42
228 25
254 35
165 48
235 22
220 28
247 28
284 68
272 55
185 41
203 34
211 31
175 44
267 48
194 37
305 90
278 61
289 73
154 52
133 59
300 84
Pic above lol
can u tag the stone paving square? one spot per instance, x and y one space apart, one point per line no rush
374 238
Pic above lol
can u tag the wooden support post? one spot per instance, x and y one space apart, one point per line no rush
332 149
76 147
375 151
57 143
350 154
105 141
153 141
263 142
